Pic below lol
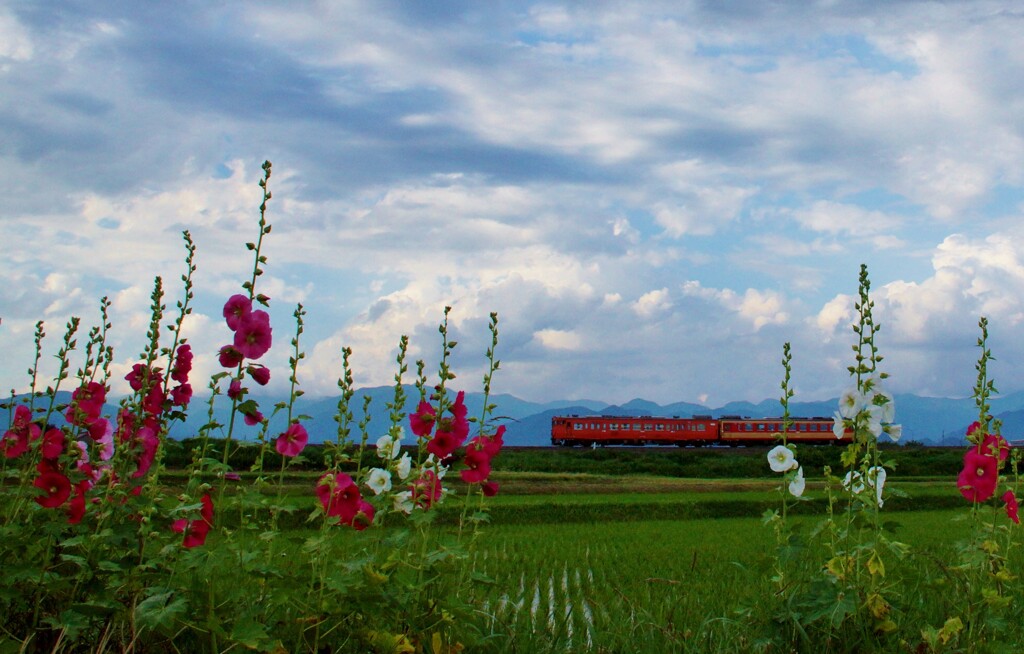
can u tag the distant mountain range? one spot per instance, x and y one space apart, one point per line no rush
929 420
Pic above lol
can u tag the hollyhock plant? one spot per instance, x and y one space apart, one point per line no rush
292 441
388 448
254 335
1011 506
978 479
56 489
253 417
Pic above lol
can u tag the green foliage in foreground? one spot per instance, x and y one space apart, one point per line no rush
693 586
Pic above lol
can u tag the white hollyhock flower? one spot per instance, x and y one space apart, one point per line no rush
851 402
885 400
404 466
876 478
388 447
796 487
894 431
838 427
781 459
874 417
379 481
852 482
403 502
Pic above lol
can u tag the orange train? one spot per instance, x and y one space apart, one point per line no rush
574 430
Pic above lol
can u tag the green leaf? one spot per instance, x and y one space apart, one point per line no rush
160 610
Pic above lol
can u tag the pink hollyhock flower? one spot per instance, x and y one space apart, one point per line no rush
76 507
254 336
181 394
340 497
142 376
22 418
86 404
253 417
363 517
478 464
53 444
260 374
14 443
443 444
236 309
426 489
996 445
973 427
145 437
977 481
490 489
195 531
422 422
292 441
56 489
98 427
229 357
1011 506
235 389
153 403
182 364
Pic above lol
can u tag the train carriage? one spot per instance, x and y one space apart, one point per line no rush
696 431
632 430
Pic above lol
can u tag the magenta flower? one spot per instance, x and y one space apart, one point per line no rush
426 489
443 444
145 437
478 465
259 374
229 357
56 489
235 389
253 417
340 497
181 394
195 531
53 444
292 441
1011 506
182 364
422 422
235 309
76 507
86 404
14 443
254 336
977 481
996 445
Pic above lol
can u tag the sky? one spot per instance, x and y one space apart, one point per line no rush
653 196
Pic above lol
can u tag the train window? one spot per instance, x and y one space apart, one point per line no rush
803 426
760 426
577 426
659 427
647 428
700 427
636 427
748 427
